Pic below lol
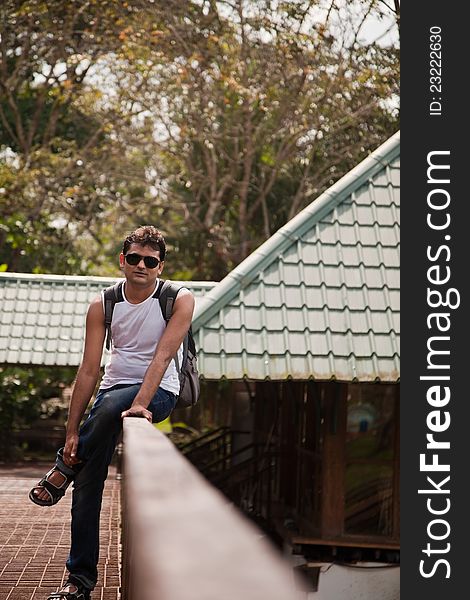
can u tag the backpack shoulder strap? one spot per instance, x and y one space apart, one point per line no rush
111 295
166 294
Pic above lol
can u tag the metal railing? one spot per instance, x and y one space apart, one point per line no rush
182 539
215 448
204 439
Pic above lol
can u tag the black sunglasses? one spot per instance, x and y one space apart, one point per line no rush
149 261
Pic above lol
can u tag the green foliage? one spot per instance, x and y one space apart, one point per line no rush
217 122
74 124
261 114
24 393
64 167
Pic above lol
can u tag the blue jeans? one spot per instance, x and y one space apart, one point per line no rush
98 437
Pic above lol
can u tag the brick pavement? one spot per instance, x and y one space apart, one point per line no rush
34 540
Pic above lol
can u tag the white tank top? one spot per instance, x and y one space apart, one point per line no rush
136 331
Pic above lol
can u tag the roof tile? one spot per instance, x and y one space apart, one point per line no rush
321 297
43 316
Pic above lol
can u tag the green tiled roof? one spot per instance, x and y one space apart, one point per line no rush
42 317
320 298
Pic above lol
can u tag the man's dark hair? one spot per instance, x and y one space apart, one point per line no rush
146 235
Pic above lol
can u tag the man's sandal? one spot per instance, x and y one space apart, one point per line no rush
54 492
80 593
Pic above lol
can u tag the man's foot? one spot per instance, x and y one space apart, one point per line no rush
51 488
70 591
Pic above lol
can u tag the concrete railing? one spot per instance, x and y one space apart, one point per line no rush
182 540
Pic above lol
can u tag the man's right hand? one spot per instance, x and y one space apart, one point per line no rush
70 450
137 411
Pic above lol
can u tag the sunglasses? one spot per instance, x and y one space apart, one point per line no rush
149 261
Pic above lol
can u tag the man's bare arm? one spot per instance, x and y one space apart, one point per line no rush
167 347
87 377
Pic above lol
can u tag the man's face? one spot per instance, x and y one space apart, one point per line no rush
134 267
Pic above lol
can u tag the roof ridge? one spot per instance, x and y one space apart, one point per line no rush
10 275
268 252
55 277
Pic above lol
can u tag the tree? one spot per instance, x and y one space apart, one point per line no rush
255 113
23 398
217 121
63 164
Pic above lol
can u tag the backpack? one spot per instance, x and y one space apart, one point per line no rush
166 293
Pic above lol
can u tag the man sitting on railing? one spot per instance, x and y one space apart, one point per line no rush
141 380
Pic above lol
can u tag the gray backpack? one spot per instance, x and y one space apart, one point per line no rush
165 293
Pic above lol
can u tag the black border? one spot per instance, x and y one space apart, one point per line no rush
421 133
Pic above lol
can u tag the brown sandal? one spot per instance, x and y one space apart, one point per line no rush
80 593
55 492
